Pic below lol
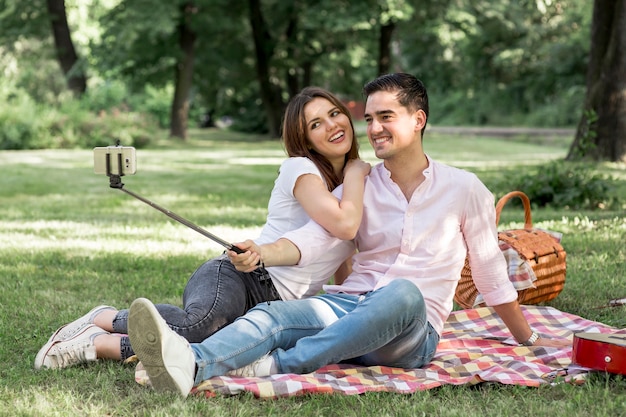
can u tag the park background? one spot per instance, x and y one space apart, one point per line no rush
77 72
523 93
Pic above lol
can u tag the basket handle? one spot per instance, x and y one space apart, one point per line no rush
528 222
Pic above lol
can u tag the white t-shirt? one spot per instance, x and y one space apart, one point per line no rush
285 214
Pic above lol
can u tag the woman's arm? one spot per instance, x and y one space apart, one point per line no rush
281 252
339 217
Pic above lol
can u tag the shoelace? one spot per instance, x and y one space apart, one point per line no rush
74 353
69 331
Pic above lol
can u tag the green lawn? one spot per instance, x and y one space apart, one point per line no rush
69 242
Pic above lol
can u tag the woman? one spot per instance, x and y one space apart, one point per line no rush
319 139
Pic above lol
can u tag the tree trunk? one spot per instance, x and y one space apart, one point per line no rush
601 133
264 49
384 47
184 75
292 76
66 54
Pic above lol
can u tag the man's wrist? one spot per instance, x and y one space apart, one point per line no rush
531 340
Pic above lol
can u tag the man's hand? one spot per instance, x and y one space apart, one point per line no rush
557 343
247 261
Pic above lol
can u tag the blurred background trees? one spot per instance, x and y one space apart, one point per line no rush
74 68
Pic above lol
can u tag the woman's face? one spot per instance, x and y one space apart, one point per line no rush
328 129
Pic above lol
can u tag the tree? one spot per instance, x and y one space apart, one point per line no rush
264 46
152 43
66 53
183 73
601 133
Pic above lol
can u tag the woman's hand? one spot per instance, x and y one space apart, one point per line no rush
357 167
247 261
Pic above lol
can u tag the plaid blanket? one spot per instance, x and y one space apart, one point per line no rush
475 347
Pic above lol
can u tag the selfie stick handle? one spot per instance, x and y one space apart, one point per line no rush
116 182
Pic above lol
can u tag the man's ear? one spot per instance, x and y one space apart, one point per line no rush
420 119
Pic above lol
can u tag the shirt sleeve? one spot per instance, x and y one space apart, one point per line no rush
489 270
293 168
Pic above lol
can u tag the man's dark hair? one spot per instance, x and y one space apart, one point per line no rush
411 92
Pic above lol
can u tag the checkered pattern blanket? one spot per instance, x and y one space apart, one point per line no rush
475 347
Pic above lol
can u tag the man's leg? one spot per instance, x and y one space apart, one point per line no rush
387 327
263 329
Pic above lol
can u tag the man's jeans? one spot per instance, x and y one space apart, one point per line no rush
384 327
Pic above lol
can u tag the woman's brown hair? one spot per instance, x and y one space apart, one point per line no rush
294 134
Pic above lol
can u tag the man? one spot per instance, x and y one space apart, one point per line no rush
420 220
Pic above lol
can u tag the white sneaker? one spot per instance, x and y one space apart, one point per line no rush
263 366
64 353
166 356
69 330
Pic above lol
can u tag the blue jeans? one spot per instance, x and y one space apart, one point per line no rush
383 327
215 295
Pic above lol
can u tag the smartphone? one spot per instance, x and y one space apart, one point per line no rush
114 160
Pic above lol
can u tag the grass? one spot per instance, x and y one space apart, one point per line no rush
68 242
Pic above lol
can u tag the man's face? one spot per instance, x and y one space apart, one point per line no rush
390 126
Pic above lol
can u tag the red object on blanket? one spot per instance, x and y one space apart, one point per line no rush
602 352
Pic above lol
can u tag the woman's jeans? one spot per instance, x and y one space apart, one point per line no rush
385 327
215 295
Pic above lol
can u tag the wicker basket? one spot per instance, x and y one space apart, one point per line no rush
542 251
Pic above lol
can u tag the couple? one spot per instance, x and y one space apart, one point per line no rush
420 219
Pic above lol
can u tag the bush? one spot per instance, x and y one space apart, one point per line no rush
19 124
564 184
156 102
105 96
27 124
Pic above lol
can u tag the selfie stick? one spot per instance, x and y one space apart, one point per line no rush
116 182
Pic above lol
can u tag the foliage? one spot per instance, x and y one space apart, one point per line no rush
26 124
505 62
498 62
153 101
584 145
568 185
19 127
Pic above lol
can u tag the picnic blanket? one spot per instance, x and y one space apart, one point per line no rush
475 347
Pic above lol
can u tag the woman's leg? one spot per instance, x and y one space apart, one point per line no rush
215 295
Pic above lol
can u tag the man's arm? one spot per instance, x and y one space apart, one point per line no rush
512 316
279 253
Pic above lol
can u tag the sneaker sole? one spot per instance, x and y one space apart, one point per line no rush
144 331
